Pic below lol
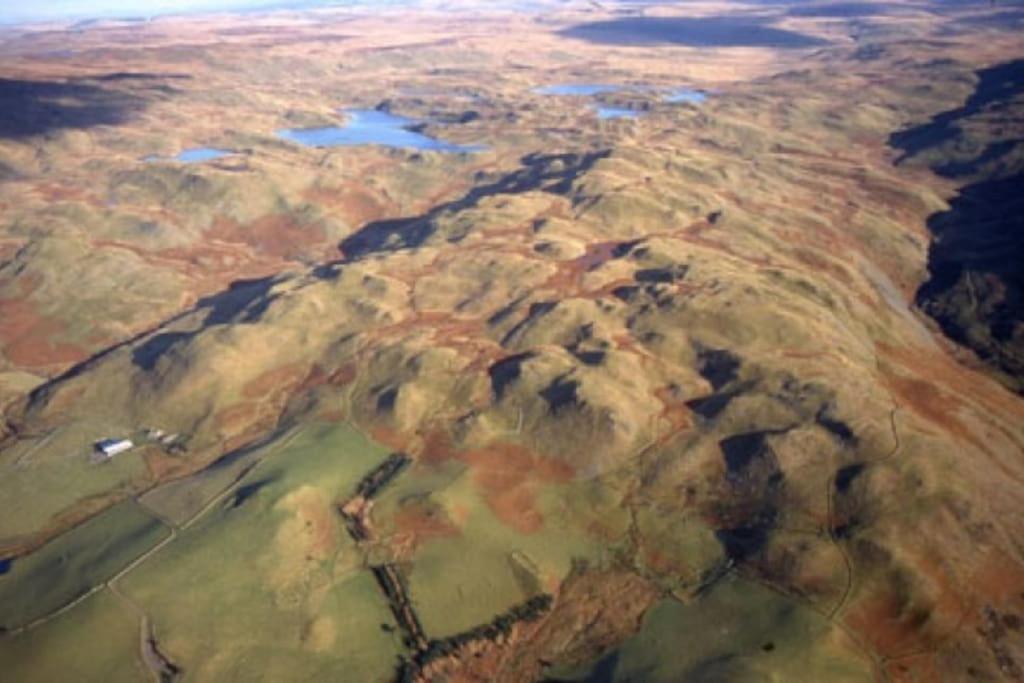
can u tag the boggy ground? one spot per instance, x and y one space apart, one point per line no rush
650 374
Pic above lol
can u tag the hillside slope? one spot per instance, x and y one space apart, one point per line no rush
621 399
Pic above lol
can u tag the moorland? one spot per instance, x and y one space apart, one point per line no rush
721 386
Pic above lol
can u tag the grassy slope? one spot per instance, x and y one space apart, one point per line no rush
465 580
73 563
37 487
96 641
740 631
273 588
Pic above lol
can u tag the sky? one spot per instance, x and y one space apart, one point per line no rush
15 11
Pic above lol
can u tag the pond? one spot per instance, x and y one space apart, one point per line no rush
710 31
198 155
579 89
687 96
372 127
607 112
613 111
195 155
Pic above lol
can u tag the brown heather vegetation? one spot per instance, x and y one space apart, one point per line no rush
632 362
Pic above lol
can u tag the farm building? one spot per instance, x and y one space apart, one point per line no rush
111 447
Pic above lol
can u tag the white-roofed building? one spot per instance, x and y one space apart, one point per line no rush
111 447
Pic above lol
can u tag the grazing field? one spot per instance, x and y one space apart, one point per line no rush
738 631
473 551
566 376
40 480
267 584
181 500
72 564
96 641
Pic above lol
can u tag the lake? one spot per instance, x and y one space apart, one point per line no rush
712 31
579 89
372 127
198 155
611 111
195 155
686 96
604 112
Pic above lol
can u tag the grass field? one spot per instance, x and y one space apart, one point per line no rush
739 631
268 586
96 641
36 476
70 565
179 501
460 580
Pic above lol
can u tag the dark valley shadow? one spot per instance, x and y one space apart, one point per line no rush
996 84
840 10
29 108
976 265
717 31
975 290
244 301
546 173
245 298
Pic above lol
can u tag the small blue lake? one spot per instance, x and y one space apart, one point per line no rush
196 155
612 111
687 96
579 89
5 566
372 127
604 112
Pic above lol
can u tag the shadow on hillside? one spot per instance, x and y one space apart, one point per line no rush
116 76
840 10
999 83
30 108
976 288
249 296
546 173
717 31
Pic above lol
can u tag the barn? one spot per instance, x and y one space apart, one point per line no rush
111 447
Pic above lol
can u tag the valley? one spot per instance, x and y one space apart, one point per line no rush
627 341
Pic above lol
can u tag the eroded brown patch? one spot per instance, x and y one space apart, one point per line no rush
276 381
884 621
1000 579
593 612
280 236
31 339
568 279
237 417
674 409
963 383
507 476
420 521
391 438
343 376
931 403
359 205
436 447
